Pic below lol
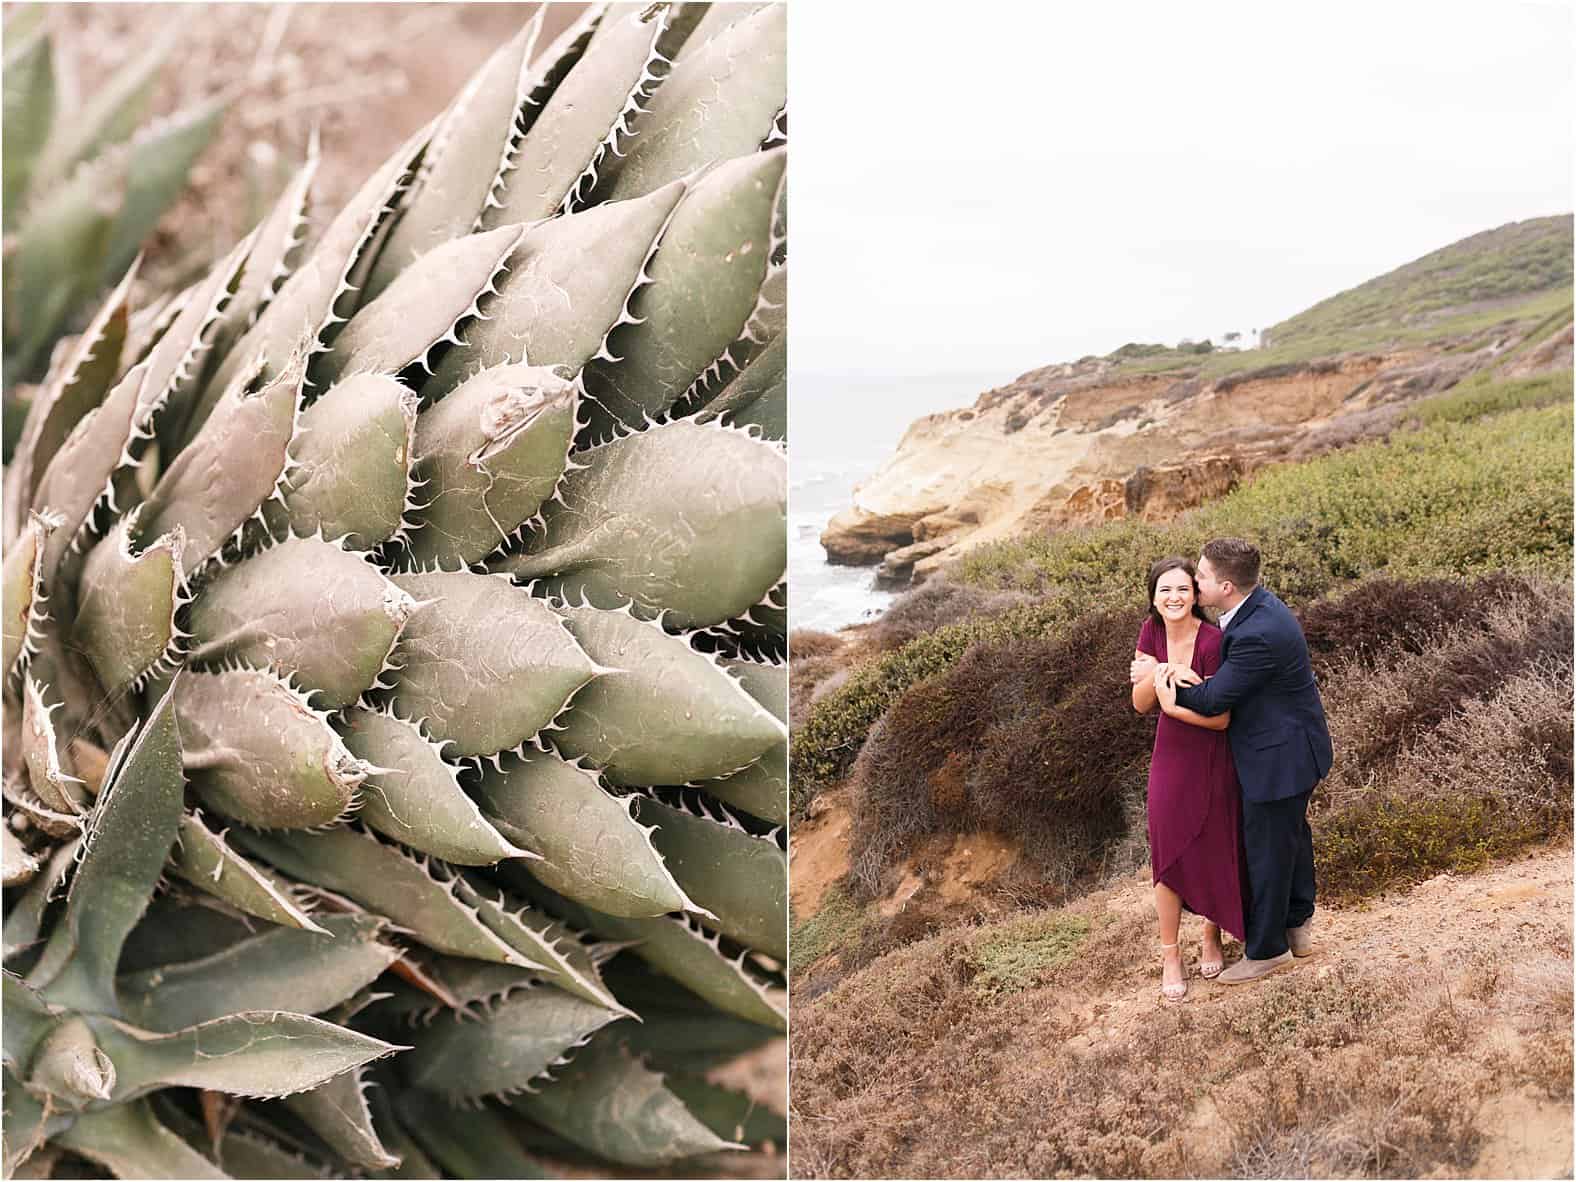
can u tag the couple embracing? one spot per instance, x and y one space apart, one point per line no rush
1239 747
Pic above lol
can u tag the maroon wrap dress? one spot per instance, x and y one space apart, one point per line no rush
1195 803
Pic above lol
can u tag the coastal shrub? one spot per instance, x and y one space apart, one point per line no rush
934 604
1451 499
839 922
1478 397
1014 955
1489 780
1383 614
1003 741
806 642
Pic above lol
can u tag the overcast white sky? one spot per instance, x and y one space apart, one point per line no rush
997 186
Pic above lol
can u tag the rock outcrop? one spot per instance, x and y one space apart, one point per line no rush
1091 441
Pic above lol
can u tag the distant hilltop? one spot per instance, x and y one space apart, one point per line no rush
1150 430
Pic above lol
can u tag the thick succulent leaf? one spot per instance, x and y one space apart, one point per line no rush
25 921
740 878
584 118
607 1101
519 1039
218 481
338 1113
350 476
678 1040
176 359
466 1142
29 112
415 797
413 1160
422 307
82 469
23 591
204 859
129 1141
130 833
281 969
257 752
758 394
486 665
305 305
27 1128
684 950
681 518
564 961
460 166
306 609
706 282
719 101
389 883
474 983
669 715
49 771
255 1053
78 384
157 164
762 788
733 1116
54 267
245 1154
110 116
276 243
714 18
180 926
591 849
487 457
19 866
567 287
126 605
28 1019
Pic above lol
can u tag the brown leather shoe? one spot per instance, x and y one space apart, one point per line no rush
1247 969
1300 940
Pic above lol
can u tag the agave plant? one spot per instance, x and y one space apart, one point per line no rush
84 184
393 651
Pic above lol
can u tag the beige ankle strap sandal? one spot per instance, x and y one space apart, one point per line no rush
1175 992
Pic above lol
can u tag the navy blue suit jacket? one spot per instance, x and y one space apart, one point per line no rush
1278 735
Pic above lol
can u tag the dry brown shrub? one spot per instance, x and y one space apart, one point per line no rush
934 604
1005 741
807 642
1374 619
807 675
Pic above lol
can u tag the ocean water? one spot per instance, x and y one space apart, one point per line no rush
841 429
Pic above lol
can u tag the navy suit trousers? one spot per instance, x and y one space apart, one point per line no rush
1279 847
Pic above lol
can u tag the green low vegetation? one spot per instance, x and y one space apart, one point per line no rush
1015 955
1469 492
839 923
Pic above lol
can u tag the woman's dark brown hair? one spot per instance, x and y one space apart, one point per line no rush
1175 562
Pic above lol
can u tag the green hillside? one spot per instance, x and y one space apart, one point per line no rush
1500 273
1516 277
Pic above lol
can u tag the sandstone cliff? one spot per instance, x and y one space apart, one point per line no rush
1093 440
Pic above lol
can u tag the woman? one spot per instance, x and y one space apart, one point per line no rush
1195 847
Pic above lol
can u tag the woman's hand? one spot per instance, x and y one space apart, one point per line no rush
1143 668
1165 686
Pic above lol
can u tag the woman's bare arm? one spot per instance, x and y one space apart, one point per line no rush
1210 722
1144 700
1168 703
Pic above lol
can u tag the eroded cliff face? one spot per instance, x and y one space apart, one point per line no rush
1075 444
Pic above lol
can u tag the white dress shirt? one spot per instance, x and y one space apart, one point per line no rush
1225 617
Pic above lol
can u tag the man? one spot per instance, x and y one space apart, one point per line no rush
1279 741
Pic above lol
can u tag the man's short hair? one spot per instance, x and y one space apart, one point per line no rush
1234 560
